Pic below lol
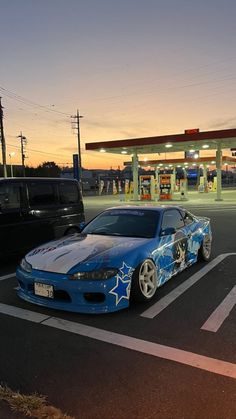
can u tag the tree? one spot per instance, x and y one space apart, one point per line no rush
49 169
46 169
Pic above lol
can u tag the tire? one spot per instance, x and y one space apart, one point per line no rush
204 252
144 281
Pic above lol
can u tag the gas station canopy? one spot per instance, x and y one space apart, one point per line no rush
191 139
210 160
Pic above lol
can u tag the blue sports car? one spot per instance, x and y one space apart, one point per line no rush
123 254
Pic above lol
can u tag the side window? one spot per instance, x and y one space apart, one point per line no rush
188 219
172 218
10 197
69 193
41 194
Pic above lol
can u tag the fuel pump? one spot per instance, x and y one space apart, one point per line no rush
147 187
165 181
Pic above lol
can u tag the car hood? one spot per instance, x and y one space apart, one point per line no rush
62 255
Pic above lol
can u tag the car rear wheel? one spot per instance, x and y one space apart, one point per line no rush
204 252
144 281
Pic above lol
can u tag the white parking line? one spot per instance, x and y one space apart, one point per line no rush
21 313
160 305
220 209
205 363
211 208
7 276
218 316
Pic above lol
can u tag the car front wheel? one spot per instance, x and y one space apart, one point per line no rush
144 282
204 252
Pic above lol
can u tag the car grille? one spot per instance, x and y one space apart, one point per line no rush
94 297
59 295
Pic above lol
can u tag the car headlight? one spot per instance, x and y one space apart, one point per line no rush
95 275
25 265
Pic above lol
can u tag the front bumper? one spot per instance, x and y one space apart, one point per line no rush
71 295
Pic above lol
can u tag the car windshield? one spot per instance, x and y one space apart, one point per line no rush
128 223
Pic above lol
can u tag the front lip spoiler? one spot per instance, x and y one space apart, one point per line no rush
82 309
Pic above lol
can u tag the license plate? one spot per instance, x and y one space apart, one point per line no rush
43 290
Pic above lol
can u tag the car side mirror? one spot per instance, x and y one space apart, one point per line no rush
81 226
168 231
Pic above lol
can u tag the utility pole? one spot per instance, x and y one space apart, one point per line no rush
23 142
77 127
3 141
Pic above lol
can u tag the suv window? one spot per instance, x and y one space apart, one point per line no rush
69 193
172 218
10 197
41 194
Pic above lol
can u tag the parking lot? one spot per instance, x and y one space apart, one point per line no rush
173 357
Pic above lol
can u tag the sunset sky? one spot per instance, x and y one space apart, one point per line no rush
133 69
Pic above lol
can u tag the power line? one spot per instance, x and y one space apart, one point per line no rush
44 152
171 76
67 162
36 151
28 102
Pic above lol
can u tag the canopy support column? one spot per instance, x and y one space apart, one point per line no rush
205 177
135 175
218 172
157 186
173 180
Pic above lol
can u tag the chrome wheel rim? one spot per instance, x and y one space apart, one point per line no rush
206 246
148 278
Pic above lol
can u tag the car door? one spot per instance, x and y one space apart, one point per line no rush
12 230
41 215
190 231
70 208
174 239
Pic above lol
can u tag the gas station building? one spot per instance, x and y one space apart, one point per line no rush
188 143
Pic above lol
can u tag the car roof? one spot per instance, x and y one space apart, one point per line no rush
159 208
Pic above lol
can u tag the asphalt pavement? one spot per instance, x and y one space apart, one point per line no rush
125 364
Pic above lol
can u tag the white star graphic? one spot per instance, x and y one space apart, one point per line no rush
122 289
126 270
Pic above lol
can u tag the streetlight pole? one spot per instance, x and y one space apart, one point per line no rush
10 155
